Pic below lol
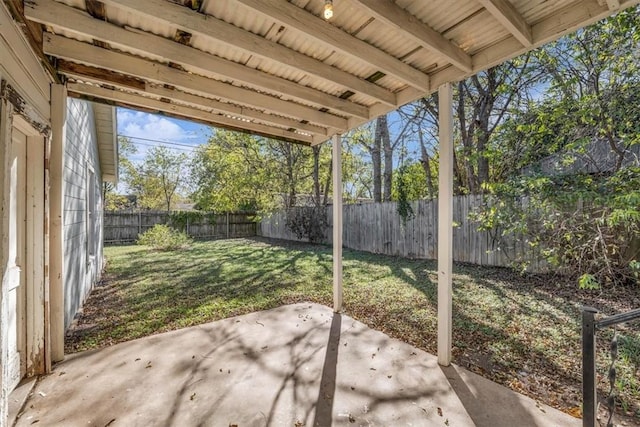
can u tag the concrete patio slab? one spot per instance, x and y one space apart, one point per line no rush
297 365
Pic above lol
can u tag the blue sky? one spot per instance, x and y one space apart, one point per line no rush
154 129
158 130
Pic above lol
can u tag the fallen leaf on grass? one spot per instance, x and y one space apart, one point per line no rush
576 411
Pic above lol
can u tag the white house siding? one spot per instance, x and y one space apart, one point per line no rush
82 240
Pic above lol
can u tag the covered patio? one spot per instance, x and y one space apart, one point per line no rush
297 365
280 69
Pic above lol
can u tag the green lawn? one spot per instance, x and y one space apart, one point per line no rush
521 331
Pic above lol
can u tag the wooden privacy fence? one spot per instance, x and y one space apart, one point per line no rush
124 227
377 228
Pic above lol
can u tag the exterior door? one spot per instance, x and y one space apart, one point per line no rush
15 287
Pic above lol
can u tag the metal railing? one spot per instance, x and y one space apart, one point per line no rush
589 392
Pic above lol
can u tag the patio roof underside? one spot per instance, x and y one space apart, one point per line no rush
277 68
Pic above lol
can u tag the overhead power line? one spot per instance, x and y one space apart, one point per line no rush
190 150
160 141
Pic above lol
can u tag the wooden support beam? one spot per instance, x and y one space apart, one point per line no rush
445 223
396 17
186 112
337 223
100 74
102 77
292 16
510 18
76 51
234 110
566 20
212 28
56 226
611 4
70 19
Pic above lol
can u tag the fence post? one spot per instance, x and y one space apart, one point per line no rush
227 225
139 222
187 226
589 393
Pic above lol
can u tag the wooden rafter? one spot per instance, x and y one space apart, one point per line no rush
65 17
87 54
611 4
98 74
564 21
289 15
212 28
511 19
139 101
398 18
109 79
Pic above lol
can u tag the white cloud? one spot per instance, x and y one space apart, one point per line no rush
150 126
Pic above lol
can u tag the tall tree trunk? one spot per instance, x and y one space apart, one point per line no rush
426 165
466 137
327 184
376 160
388 156
316 174
483 161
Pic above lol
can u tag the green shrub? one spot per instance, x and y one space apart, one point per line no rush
164 238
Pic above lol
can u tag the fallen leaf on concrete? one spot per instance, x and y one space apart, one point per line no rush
439 411
110 422
42 393
193 396
351 419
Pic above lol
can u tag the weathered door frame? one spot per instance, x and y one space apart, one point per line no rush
15 113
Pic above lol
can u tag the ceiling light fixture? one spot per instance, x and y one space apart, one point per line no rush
328 9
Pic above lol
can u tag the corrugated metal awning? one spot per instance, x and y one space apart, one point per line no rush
276 67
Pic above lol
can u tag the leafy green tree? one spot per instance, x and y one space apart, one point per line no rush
113 200
228 173
595 83
410 181
582 216
584 225
157 179
239 171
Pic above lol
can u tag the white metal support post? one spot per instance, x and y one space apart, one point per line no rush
445 224
337 223
56 237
